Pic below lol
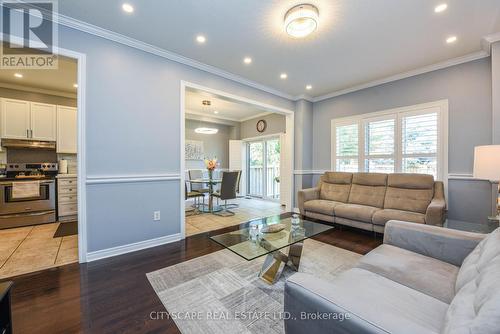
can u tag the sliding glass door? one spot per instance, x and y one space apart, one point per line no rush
264 168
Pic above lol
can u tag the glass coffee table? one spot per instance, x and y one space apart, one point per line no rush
250 242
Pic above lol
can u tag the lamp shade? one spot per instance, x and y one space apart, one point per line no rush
487 162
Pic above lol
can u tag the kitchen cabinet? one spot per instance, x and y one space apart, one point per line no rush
66 130
43 121
67 197
28 120
15 119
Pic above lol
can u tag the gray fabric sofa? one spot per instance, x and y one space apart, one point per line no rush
423 279
369 200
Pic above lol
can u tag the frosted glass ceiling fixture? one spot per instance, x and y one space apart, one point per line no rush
301 20
205 130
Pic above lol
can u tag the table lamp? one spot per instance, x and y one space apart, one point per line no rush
487 166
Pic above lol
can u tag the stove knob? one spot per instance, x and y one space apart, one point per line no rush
16 166
11 166
53 166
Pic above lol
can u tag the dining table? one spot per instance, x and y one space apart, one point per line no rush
211 183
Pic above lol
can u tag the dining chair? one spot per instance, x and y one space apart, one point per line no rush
196 174
227 191
236 205
195 195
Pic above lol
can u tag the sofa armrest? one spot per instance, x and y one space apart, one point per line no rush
436 212
444 244
305 195
310 307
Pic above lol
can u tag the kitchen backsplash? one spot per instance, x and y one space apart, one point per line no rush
72 162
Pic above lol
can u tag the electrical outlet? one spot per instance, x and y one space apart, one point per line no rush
156 215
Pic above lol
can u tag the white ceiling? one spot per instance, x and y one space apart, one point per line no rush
358 41
227 109
61 79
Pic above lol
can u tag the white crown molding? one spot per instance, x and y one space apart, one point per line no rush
430 68
262 114
133 247
487 40
37 90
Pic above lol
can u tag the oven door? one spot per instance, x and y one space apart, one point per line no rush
9 205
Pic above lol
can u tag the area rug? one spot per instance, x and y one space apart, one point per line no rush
66 229
221 293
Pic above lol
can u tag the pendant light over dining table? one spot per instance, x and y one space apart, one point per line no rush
206 130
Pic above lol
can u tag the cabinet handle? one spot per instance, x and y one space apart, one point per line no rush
27 133
31 133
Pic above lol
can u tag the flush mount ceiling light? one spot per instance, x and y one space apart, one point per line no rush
301 20
206 131
440 8
127 8
451 39
201 39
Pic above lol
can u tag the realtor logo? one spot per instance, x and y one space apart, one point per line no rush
29 31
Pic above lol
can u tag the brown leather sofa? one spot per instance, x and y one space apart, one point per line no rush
369 200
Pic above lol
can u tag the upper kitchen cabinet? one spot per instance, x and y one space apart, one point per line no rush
28 120
15 119
43 121
66 129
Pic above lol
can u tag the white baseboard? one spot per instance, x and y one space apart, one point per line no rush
119 250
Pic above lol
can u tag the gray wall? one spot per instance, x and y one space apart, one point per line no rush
276 123
37 97
216 145
132 128
468 90
303 130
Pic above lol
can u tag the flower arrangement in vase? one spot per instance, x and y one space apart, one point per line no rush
211 165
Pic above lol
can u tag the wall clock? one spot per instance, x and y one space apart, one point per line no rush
261 125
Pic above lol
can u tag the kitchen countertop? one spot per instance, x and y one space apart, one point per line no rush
66 176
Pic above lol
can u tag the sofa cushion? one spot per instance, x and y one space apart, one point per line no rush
409 192
356 212
334 192
422 273
383 216
478 259
476 306
321 206
368 189
389 306
337 177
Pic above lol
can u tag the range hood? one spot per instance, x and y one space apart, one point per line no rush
33 144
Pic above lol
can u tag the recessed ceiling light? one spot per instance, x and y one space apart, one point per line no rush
127 8
206 131
283 76
216 112
301 20
247 60
75 85
440 8
309 87
201 39
18 75
451 39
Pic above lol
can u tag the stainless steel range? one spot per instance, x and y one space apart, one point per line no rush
27 194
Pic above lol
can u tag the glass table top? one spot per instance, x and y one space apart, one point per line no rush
250 242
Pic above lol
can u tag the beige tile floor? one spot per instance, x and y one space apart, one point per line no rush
32 248
248 209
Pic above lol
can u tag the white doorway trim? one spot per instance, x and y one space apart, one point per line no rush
290 119
81 157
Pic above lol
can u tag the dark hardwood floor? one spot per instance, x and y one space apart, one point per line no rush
114 296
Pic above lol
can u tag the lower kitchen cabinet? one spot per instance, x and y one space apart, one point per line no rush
67 198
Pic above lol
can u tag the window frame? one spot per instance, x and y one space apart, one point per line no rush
441 108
